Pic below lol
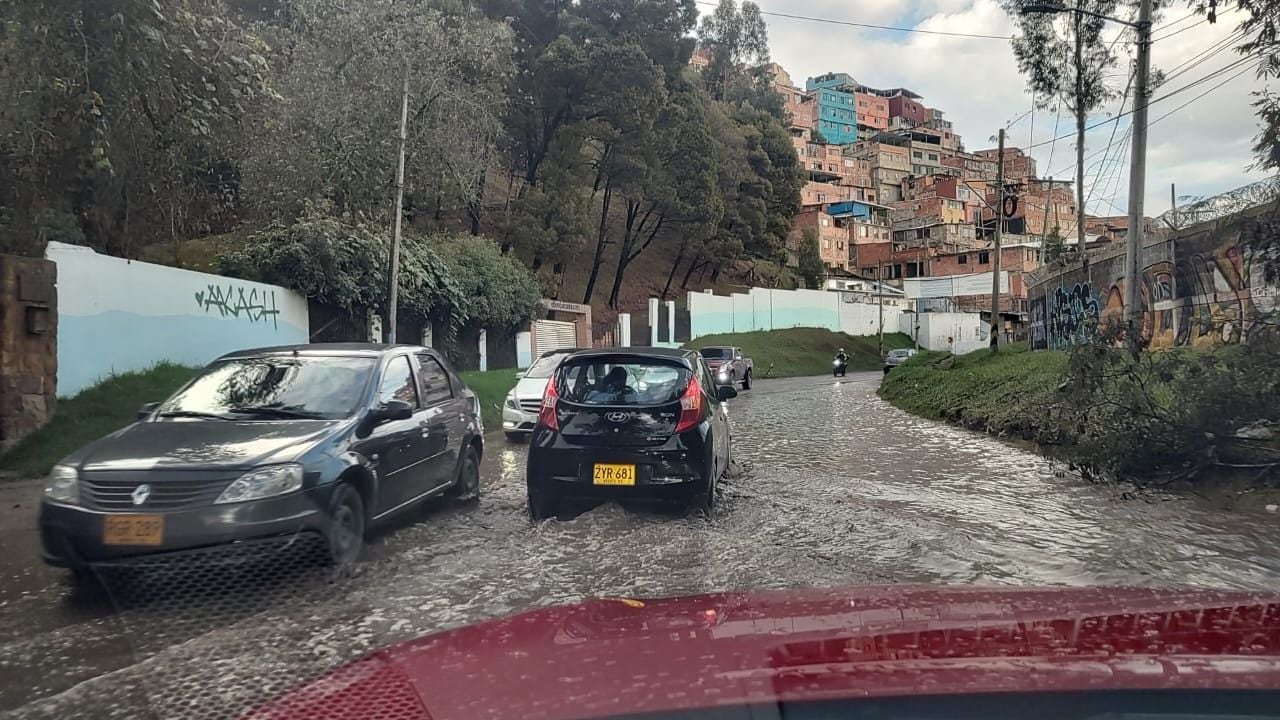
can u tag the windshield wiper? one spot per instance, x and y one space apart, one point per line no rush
276 412
193 414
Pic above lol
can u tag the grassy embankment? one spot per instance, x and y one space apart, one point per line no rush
798 352
96 411
1005 393
1180 415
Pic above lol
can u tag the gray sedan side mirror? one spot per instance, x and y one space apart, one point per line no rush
391 410
726 392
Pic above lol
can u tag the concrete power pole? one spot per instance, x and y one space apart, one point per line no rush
1044 230
1137 178
995 257
393 291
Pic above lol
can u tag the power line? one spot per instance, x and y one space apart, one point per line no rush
1203 55
1123 99
1153 101
1206 92
849 23
1180 30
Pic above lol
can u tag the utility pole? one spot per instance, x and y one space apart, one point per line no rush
1173 206
1044 230
880 299
393 291
1137 178
995 257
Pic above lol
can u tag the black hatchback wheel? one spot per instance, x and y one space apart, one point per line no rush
541 504
467 487
346 527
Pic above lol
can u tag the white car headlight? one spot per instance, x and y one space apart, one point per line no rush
263 483
63 485
511 399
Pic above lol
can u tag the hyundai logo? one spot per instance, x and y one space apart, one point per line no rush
617 417
141 493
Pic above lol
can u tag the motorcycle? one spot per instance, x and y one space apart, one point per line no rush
838 367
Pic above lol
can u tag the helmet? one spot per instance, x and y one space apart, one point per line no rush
841 350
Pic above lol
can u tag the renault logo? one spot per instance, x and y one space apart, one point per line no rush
141 493
617 417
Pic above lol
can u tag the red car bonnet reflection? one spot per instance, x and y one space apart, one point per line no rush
621 656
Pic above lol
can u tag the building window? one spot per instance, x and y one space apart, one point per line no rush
825 222
963 259
933 156
984 258
917 155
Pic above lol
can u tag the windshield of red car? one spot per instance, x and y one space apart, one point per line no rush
321 387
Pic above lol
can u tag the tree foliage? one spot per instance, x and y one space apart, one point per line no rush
335 138
499 291
121 113
809 263
738 40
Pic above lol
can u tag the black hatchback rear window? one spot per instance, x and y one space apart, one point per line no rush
631 382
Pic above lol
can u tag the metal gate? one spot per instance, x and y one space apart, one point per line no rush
553 335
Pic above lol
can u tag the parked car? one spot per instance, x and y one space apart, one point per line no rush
887 651
520 409
316 439
629 424
896 358
729 365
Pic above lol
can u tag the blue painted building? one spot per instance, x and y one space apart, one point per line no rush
837 114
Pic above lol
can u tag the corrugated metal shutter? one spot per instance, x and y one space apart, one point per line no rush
553 335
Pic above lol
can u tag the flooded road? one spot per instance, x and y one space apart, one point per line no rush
831 486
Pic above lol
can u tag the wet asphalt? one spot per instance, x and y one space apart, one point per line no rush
830 486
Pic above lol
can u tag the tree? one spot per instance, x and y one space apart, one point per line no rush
500 293
810 264
1070 69
1259 35
738 39
678 188
1055 246
118 114
335 139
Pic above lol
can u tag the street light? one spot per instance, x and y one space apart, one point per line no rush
1138 162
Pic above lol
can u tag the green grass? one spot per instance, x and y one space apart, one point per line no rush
491 387
1005 392
96 411
798 352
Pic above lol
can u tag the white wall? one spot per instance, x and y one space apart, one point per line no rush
116 315
765 309
954 332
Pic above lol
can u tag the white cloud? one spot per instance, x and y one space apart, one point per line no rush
1204 148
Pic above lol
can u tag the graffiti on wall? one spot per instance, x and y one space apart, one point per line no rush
1221 287
1072 315
253 304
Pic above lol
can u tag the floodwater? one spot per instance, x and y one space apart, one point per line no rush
831 486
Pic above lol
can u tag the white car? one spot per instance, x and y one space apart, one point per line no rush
520 409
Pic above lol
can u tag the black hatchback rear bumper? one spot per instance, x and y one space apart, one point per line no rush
678 469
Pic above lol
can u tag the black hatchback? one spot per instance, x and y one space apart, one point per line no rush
321 440
630 424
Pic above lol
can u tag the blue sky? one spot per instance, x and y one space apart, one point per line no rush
1204 147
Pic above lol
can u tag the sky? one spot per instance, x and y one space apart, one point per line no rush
1204 147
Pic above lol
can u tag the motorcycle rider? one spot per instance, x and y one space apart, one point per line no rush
841 357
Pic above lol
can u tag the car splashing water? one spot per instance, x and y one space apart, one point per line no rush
831 486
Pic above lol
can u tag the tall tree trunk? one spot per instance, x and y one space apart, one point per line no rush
671 275
601 239
624 253
693 266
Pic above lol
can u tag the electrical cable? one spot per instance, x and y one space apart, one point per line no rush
1175 32
849 23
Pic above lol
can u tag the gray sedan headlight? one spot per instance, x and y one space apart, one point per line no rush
264 482
63 485
511 400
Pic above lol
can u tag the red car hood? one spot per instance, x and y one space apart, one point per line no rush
620 656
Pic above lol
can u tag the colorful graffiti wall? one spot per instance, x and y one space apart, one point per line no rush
1211 284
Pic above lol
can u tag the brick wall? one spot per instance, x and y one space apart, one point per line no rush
28 346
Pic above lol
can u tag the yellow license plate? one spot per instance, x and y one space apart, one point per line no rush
614 475
133 530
